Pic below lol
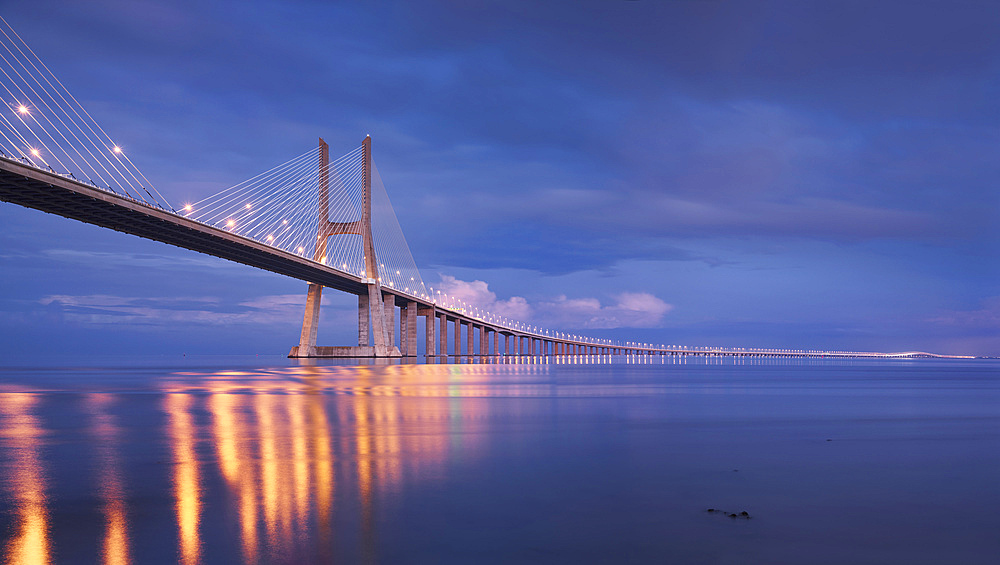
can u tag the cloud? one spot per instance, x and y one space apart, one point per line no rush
478 295
630 309
987 317
102 309
136 260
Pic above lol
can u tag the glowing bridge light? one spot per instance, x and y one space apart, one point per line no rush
116 149
230 223
248 206
34 152
22 109
270 238
187 208
300 250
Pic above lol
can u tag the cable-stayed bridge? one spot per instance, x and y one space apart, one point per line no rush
327 222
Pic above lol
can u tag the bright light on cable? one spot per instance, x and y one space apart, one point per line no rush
116 149
22 109
34 152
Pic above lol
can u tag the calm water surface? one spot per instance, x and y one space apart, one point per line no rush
268 461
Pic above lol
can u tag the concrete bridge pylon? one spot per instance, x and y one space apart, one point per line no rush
374 330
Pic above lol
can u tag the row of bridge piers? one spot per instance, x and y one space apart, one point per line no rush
449 333
445 333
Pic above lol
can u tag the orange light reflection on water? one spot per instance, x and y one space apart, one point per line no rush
277 435
22 435
115 550
187 495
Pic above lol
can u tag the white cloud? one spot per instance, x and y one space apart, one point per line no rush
630 309
478 294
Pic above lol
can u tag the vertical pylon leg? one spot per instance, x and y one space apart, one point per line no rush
380 333
310 321
389 307
402 331
364 328
411 329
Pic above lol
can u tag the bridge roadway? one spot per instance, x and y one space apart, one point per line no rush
57 194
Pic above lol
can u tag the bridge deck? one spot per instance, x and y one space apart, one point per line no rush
55 194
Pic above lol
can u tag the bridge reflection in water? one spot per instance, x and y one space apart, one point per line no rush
284 465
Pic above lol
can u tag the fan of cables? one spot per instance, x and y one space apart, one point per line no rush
44 126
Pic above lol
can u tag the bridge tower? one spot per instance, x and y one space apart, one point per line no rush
374 330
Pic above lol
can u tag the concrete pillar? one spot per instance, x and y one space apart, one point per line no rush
364 325
470 339
389 307
403 341
496 342
443 334
310 321
458 337
411 328
429 342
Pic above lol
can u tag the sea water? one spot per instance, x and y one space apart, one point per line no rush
576 460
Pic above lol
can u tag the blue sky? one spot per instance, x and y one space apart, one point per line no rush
751 174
